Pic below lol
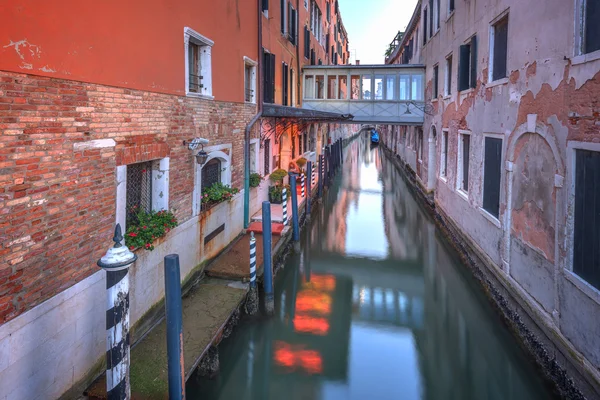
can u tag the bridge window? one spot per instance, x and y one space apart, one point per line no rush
320 89
390 87
366 87
404 87
332 87
378 95
355 87
309 87
343 87
417 87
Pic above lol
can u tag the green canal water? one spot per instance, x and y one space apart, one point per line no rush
375 306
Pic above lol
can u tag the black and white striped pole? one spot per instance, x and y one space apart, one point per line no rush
252 300
284 205
116 263
302 183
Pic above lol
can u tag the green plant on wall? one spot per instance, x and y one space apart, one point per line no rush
277 176
146 227
255 179
217 193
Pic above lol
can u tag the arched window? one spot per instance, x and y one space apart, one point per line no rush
211 173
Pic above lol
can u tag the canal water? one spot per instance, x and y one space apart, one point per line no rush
375 306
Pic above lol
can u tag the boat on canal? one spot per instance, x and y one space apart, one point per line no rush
374 137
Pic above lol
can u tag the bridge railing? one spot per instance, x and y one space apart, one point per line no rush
377 93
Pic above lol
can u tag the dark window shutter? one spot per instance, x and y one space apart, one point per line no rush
463 67
445 153
312 56
267 156
435 81
592 26
451 5
265 5
466 149
327 42
473 48
320 62
491 175
430 18
425 26
500 47
586 243
283 10
266 65
306 42
293 26
283 85
272 87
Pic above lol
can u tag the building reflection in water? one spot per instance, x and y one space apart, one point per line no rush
375 306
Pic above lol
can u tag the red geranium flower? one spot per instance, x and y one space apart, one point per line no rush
132 234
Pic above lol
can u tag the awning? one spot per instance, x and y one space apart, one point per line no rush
276 120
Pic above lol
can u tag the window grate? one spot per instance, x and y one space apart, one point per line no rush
139 189
211 173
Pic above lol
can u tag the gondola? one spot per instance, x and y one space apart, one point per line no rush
374 137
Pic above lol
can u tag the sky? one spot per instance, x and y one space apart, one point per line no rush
372 25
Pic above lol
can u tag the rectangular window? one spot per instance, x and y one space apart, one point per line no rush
498 49
343 87
283 17
586 240
591 30
320 89
435 82
292 25
464 147
312 56
328 8
450 6
265 5
250 82
467 65
404 87
424 26
366 87
211 173
491 175
293 84
309 87
285 92
267 157
198 72
444 160
390 87
355 87
420 144
139 189
437 14
269 77
378 87
306 43
332 88
431 16
448 80
417 87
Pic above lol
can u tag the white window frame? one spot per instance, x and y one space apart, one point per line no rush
579 56
459 163
190 35
253 64
160 189
216 151
577 280
448 77
492 43
444 155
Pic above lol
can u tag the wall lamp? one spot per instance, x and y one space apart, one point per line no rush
193 144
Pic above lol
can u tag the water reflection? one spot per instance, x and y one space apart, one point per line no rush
373 307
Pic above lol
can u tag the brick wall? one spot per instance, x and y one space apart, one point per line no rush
57 196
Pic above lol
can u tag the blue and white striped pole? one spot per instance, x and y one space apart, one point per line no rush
312 175
284 203
302 184
116 263
252 299
309 194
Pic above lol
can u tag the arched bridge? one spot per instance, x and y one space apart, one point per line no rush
372 94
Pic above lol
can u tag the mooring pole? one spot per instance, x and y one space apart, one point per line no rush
284 206
296 227
302 184
252 300
309 192
173 311
321 169
267 261
116 263
312 174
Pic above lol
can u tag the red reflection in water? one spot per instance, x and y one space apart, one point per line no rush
324 283
294 357
310 300
308 324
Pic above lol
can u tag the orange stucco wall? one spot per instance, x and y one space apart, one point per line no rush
128 43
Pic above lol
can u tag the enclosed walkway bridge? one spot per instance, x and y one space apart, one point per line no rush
372 94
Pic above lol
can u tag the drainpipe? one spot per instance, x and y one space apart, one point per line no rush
259 97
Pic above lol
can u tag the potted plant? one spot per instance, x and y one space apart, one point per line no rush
216 194
301 162
276 191
255 179
146 227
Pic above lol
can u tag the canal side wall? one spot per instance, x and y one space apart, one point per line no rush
558 359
